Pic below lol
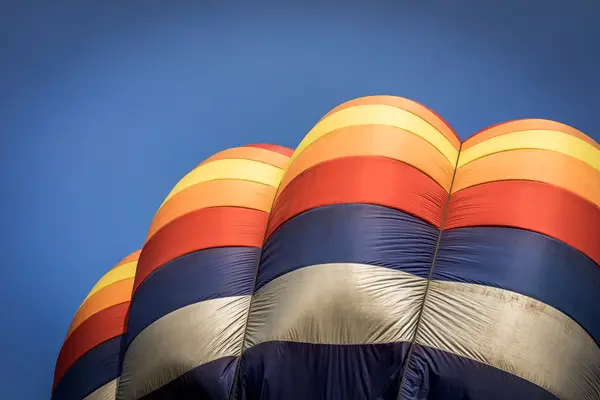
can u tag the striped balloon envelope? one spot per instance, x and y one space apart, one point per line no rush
88 362
195 277
400 263
383 259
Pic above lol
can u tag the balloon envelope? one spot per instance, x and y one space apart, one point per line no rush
88 362
384 258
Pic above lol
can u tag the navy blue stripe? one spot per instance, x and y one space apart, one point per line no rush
203 275
349 233
437 375
91 371
302 371
208 381
524 262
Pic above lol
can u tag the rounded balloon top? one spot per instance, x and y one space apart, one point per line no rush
88 360
196 272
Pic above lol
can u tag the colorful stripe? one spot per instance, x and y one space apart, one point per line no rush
195 276
381 114
535 165
91 372
415 108
376 141
526 125
89 358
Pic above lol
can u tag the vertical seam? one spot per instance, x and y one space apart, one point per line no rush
431 269
233 390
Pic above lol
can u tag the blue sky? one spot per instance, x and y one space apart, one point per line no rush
105 105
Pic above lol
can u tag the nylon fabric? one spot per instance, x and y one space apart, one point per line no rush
111 295
512 332
349 233
439 375
526 125
122 272
336 304
198 230
181 341
517 204
105 325
90 372
199 276
527 263
375 180
106 392
246 170
404 104
132 257
221 193
373 140
301 371
380 115
535 165
212 380
534 139
266 156
273 147
89 357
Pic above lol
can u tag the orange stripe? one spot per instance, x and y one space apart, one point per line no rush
117 293
367 180
273 147
199 230
408 105
99 328
535 165
534 206
132 257
373 140
228 192
523 125
250 153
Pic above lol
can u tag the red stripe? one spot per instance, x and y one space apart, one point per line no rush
273 147
530 205
97 329
363 179
198 230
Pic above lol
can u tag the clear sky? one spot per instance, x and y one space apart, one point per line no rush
105 105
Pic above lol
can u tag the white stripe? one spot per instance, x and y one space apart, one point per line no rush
337 304
181 341
514 333
105 392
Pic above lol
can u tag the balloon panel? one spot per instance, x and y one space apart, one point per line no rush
88 362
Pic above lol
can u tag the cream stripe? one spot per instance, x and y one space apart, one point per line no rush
380 115
336 304
105 392
514 333
181 341
362 304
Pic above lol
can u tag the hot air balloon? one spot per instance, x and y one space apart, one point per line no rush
195 277
88 362
383 259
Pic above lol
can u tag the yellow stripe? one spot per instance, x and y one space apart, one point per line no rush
534 139
124 271
245 170
380 115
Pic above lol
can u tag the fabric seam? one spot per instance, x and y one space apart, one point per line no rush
431 269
